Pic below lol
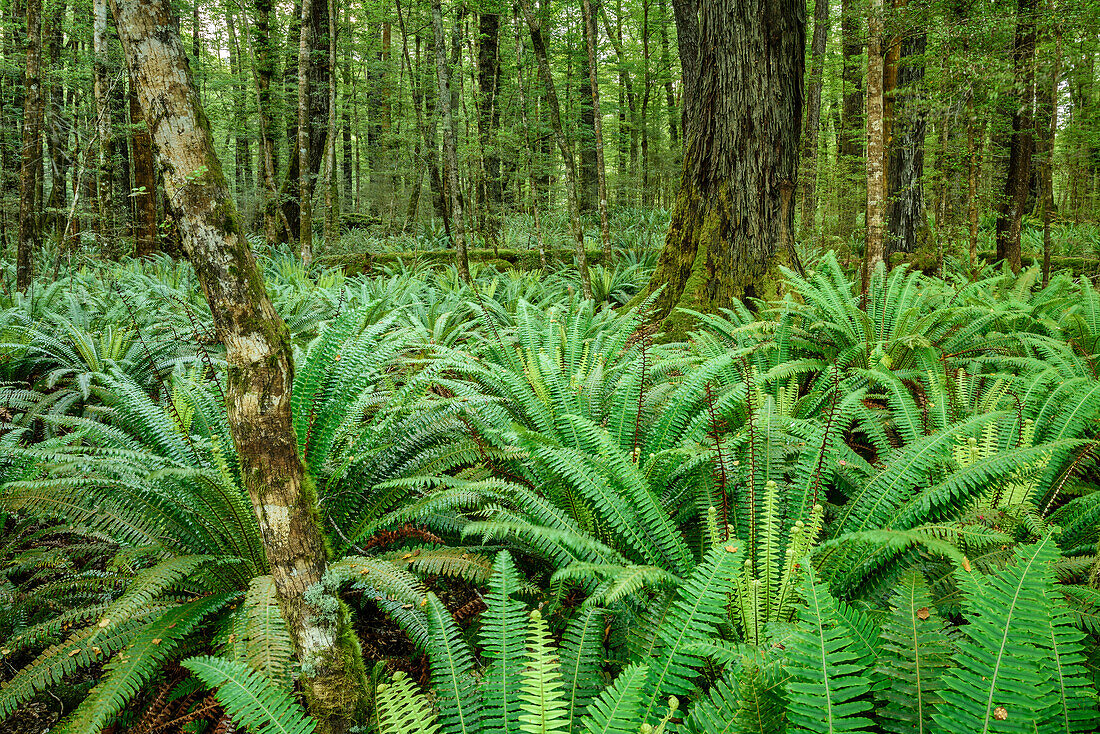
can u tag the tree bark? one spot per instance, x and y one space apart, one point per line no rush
450 155
907 122
875 248
1048 128
103 179
30 234
539 46
1010 213
263 71
533 180
812 127
597 126
57 125
258 353
732 220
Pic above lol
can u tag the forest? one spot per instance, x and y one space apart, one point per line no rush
549 367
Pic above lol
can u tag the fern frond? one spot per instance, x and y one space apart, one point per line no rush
543 703
250 699
618 708
400 708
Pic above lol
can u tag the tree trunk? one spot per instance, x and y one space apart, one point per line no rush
875 248
145 180
258 353
57 126
733 216
450 155
1047 128
539 46
263 71
1010 213
488 122
812 127
104 182
30 234
905 148
851 146
601 171
305 188
330 140
533 180
670 96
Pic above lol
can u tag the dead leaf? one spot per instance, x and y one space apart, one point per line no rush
1000 713
923 613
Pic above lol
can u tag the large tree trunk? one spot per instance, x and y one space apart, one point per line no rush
145 180
30 235
875 245
733 215
260 372
1010 213
597 128
905 148
539 46
812 125
450 154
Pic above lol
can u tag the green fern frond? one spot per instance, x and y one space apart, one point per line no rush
452 672
828 686
250 699
542 699
399 708
267 644
501 636
618 708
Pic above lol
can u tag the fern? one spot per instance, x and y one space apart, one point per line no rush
1003 682
829 685
399 708
543 702
501 636
915 654
253 701
617 710
459 704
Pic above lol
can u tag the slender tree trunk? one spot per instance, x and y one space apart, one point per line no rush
1048 108
305 188
670 95
145 180
57 124
450 155
1010 213
539 46
330 139
851 146
601 172
104 181
812 127
264 70
532 179
975 136
30 234
347 199
875 248
732 219
488 123
258 353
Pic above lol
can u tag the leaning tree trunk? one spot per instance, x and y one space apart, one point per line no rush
874 251
554 110
30 173
733 216
260 371
1010 213
450 155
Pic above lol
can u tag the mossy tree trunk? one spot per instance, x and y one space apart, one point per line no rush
812 127
450 153
260 372
874 249
592 38
733 216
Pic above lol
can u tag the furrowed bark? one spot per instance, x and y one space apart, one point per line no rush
260 371
30 173
733 216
